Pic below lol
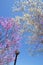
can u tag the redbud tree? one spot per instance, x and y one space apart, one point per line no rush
9 40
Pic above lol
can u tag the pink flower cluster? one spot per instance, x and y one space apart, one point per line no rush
9 39
6 23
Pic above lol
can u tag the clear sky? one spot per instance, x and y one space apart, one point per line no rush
24 58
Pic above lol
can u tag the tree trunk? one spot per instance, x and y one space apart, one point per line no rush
15 60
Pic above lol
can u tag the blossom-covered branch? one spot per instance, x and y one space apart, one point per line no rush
31 20
9 39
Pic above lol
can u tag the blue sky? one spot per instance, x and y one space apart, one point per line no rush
24 58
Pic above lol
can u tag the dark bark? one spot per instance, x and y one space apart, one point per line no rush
15 60
16 53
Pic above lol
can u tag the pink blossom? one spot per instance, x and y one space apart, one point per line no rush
10 39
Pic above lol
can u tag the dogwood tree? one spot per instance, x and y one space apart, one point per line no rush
31 20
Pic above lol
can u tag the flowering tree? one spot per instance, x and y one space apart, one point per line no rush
9 40
31 21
